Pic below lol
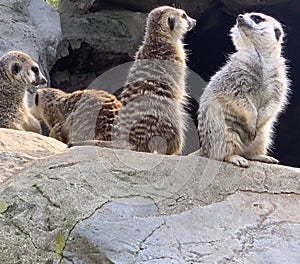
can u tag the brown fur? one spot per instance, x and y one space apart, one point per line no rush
78 116
152 118
17 72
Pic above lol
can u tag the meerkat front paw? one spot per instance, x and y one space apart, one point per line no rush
237 160
252 135
264 158
55 132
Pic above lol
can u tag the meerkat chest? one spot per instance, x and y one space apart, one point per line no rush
273 81
269 85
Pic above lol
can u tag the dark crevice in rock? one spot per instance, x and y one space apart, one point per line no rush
63 165
45 196
265 192
74 226
82 66
26 234
248 234
140 246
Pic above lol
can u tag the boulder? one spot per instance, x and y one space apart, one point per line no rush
20 149
98 205
109 31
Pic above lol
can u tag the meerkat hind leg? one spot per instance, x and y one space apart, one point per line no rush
237 160
33 125
264 158
56 133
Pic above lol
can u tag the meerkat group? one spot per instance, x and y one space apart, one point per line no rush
237 110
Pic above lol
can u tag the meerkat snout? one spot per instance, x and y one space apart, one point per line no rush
39 78
192 23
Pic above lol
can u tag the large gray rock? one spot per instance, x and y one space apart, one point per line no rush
32 26
109 31
245 228
97 205
20 149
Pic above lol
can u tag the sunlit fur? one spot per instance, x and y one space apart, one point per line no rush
78 116
16 74
152 118
242 101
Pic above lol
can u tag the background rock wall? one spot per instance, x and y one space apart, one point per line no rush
32 27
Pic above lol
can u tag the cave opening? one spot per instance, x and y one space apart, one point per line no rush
209 45
83 65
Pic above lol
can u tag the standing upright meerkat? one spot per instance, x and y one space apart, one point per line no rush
242 101
79 116
17 72
152 118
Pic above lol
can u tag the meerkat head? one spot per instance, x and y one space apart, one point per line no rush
169 22
20 68
257 30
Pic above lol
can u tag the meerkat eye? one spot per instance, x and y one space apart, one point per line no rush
277 33
16 68
184 16
35 69
257 19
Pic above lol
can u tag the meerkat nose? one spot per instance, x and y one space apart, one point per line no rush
240 17
40 80
194 22
43 81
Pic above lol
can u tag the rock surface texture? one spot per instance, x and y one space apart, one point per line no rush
19 149
98 205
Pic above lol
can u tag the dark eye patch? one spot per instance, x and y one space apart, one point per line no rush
16 68
35 69
277 33
257 19
171 22
184 16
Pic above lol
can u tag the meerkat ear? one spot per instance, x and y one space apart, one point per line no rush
16 68
277 33
36 99
171 22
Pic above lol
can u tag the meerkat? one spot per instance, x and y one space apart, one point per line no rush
79 116
242 101
17 72
152 117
